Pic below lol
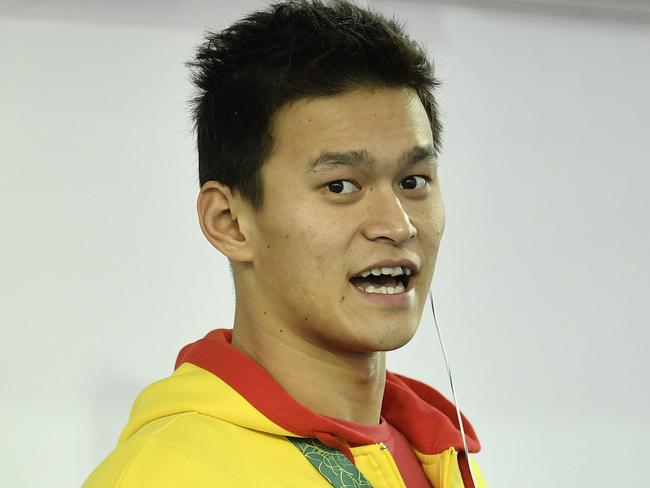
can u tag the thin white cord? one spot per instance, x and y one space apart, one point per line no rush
453 391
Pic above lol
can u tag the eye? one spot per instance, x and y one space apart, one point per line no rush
339 185
412 179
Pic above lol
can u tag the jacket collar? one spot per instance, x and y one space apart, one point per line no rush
422 414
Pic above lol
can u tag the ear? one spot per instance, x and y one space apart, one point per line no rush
218 209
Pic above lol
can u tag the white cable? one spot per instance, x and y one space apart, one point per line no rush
453 391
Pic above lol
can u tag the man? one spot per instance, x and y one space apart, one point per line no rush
317 135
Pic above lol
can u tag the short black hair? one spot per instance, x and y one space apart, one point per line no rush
293 49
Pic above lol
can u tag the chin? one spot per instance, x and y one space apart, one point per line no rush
389 340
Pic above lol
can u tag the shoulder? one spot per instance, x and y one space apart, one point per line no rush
146 455
191 449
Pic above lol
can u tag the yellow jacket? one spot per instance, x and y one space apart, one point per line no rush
220 420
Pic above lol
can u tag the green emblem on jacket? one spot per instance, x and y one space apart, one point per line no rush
332 464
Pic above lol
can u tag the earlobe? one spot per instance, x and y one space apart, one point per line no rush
219 221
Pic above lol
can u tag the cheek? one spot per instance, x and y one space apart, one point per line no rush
429 221
438 222
437 211
303 244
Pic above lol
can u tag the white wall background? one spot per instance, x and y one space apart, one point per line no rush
542 279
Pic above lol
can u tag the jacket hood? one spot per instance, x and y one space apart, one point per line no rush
213 378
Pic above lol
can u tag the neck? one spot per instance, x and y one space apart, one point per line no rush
345 385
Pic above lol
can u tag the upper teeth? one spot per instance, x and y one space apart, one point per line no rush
396 271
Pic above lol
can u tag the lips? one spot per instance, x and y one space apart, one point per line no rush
391 263
403 300
381 280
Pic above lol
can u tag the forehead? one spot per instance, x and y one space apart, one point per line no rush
381 122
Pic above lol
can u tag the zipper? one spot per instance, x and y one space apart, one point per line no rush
452 459
391 462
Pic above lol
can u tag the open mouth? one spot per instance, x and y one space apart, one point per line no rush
382 283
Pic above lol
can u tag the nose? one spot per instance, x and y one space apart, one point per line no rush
387 219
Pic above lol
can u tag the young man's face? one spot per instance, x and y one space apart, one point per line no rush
321 226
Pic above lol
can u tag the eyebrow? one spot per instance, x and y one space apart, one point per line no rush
331 160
